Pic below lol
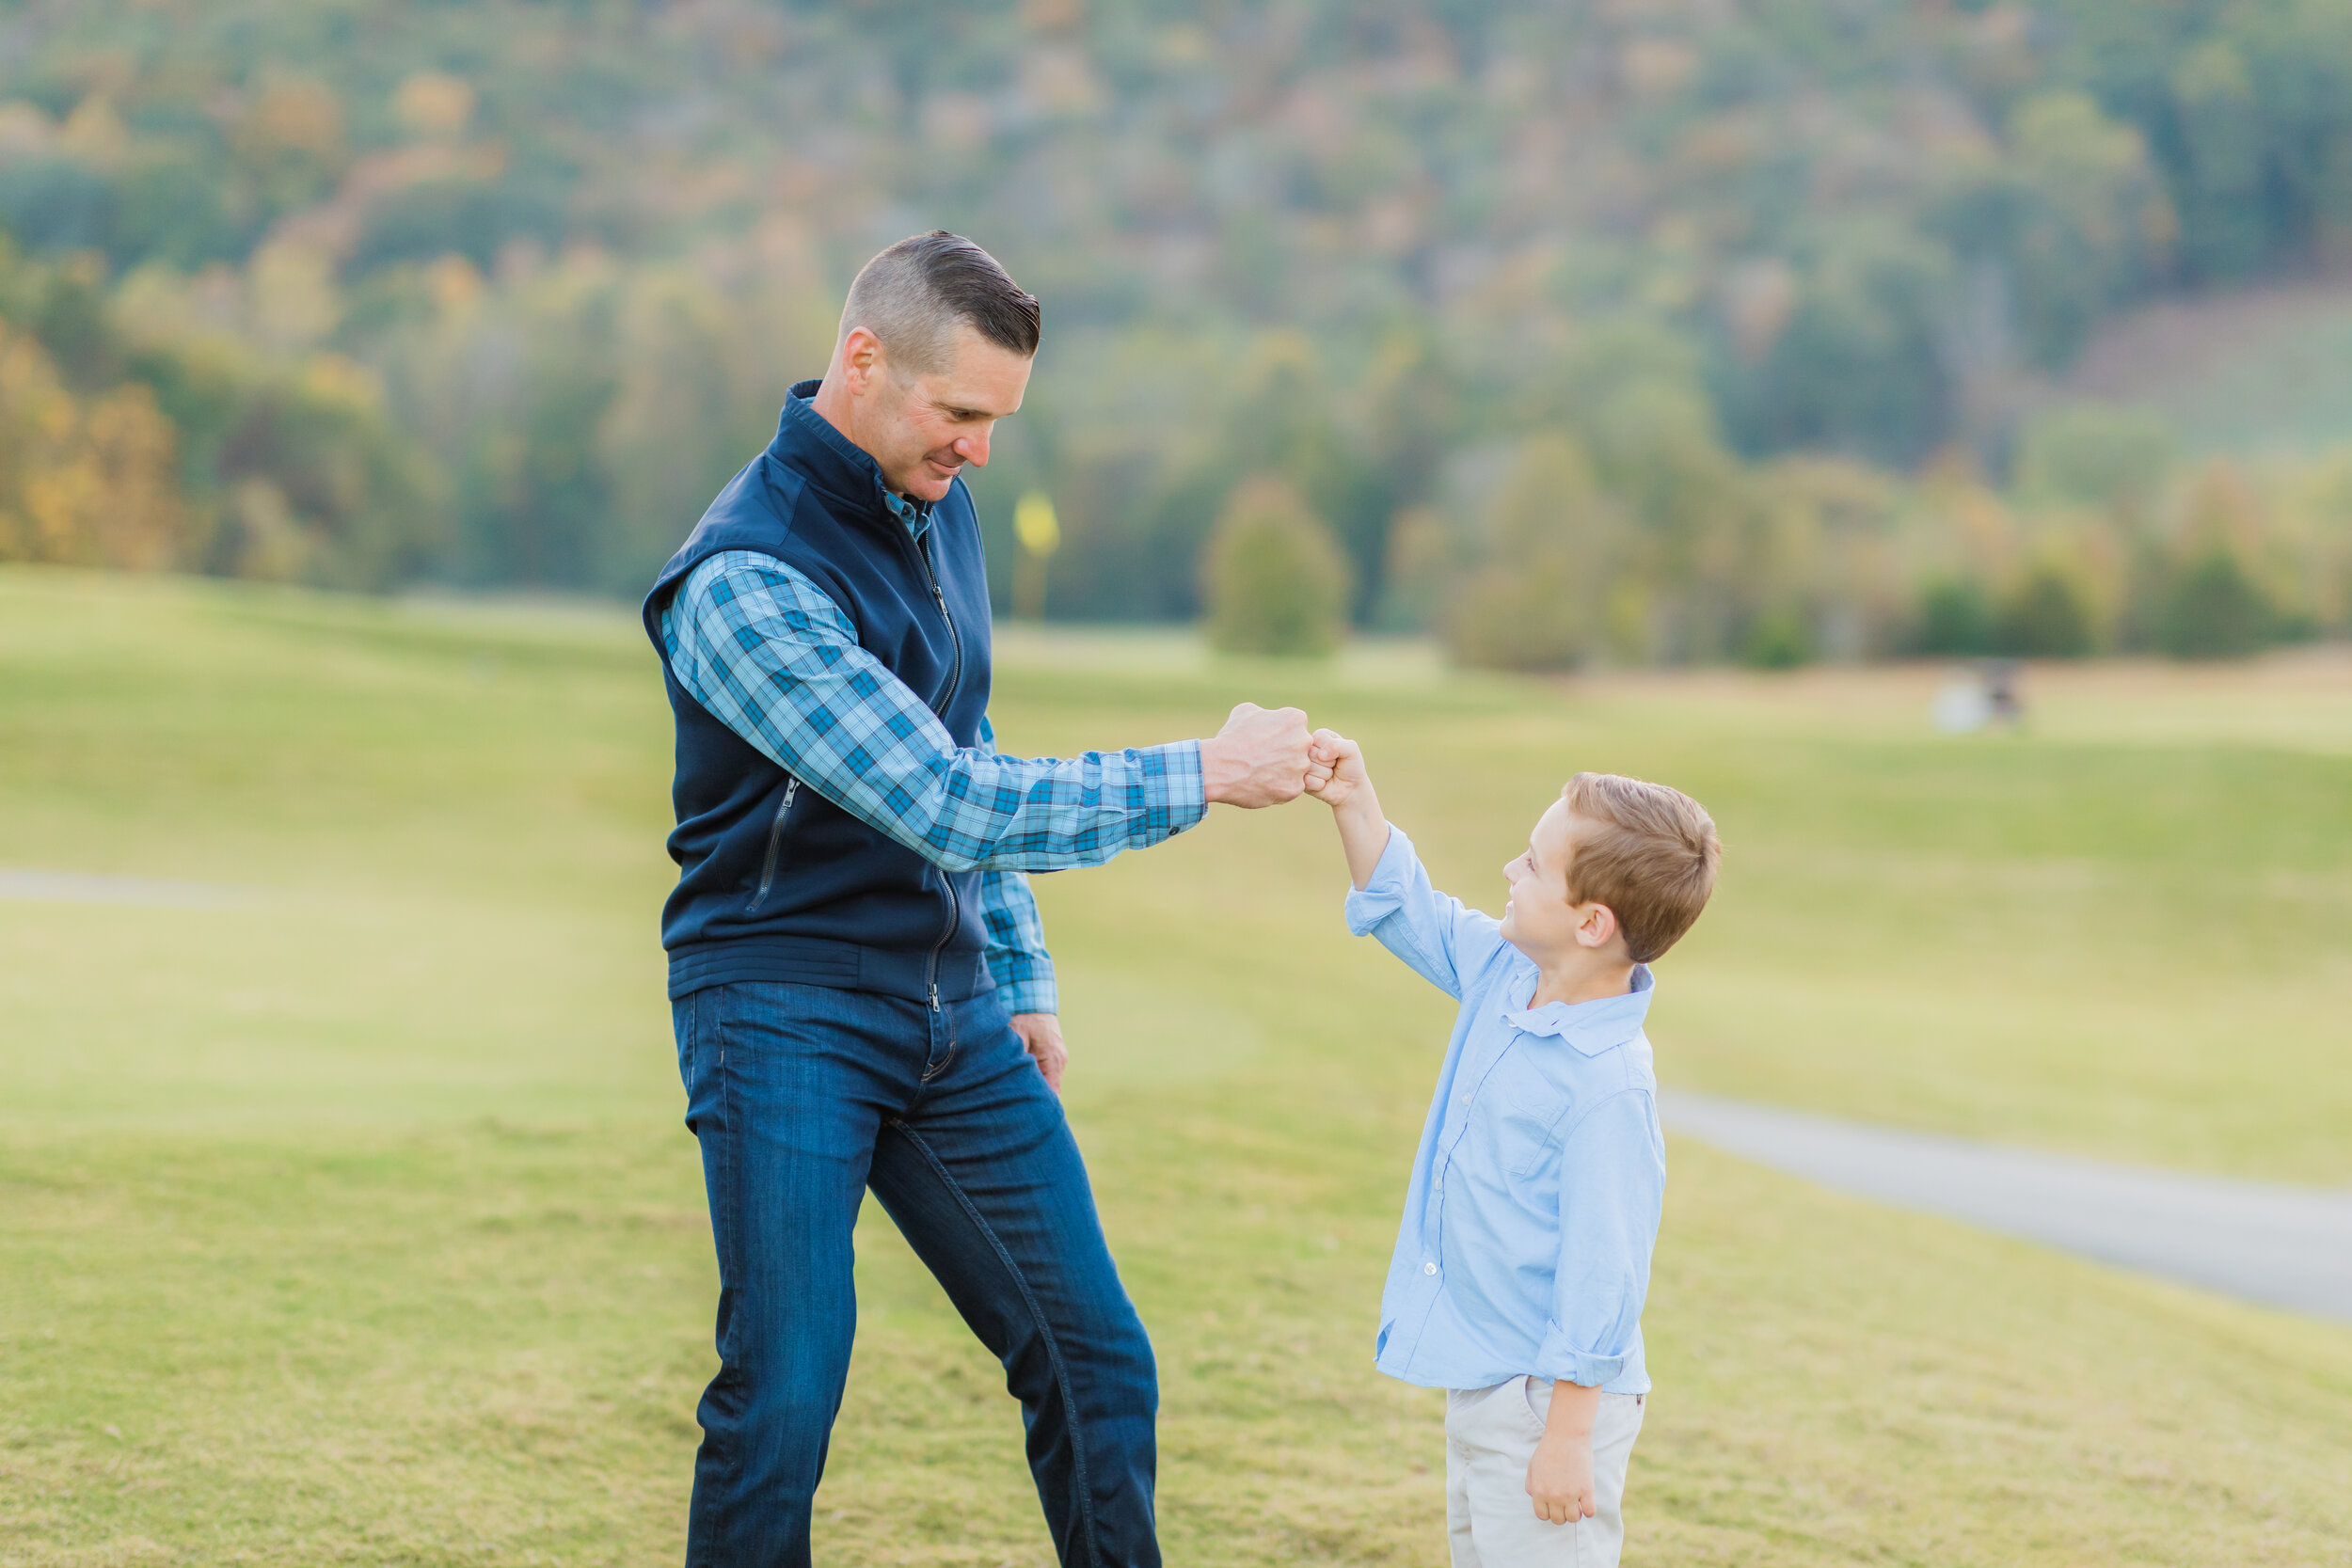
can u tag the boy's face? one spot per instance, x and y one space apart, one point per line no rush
1541 921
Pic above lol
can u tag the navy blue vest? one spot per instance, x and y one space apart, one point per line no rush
777 883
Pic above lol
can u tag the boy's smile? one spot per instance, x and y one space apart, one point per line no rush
1577 946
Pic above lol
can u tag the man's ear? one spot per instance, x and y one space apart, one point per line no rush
1598 926
861 360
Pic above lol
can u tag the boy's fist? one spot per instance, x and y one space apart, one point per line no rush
1335 768
1560 1479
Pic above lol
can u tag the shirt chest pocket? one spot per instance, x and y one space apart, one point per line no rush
1524 1107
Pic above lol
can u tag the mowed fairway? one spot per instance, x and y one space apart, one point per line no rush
347 1218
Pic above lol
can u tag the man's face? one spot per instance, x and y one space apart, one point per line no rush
923 430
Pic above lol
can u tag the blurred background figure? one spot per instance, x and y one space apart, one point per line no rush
1989 691
1963 705
2004 690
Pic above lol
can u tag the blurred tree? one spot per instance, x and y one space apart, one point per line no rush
58 204
1283 421
2047 613
2214 609
84 483
468 215
2065 217
690 404
323 490
2219 121
1654 447
290 138
1418 573
1276 580
168 206
1780 639
1857 370
1955 619
1536 600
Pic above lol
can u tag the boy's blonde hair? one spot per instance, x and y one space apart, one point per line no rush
1646 852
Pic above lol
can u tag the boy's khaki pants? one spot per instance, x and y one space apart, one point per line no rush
1490 1434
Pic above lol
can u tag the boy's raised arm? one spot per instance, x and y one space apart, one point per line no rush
1337 777
1441 938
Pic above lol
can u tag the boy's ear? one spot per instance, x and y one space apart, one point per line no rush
1598 927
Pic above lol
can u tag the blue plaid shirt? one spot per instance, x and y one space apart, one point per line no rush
772 658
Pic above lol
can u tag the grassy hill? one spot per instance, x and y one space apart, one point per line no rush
2260 372
347 1218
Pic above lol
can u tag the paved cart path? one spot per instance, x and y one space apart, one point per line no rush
88 887
2279 1245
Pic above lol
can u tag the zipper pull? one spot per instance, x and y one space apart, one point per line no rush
934 998
940 595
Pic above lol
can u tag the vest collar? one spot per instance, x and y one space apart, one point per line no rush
807 442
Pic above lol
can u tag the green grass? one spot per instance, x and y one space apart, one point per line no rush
352 1222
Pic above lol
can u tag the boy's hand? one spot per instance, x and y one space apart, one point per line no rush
1335 769
1336 777
1560 1478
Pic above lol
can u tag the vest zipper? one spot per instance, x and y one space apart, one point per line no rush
775 846
955 678
955 641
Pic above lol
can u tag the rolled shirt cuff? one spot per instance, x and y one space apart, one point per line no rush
1382 897
1035 993
1562 1363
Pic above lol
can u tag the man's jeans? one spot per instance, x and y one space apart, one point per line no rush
802 1096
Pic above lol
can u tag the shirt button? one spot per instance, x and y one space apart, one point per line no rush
1429 1268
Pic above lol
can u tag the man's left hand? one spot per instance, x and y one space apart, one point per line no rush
1041 1036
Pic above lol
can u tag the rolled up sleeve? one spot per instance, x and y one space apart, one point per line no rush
1439 938
1612 1184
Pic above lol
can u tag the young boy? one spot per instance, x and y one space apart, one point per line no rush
1524 1255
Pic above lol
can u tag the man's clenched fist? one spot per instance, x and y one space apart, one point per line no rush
1258 759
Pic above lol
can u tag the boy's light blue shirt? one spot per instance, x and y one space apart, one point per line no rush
1535 1201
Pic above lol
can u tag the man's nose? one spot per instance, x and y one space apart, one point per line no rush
973 449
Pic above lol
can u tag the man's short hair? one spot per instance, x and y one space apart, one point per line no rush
1648 852
917 295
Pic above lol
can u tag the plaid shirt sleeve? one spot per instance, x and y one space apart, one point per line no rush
1016 955
775 661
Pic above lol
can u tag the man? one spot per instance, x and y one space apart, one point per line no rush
858 978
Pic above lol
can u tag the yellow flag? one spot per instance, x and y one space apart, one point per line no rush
1035 525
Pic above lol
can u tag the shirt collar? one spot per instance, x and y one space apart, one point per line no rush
915 515
1592 1027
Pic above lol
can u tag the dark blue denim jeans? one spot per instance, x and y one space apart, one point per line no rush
803 1097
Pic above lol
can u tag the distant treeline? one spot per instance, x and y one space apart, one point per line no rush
1686 329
